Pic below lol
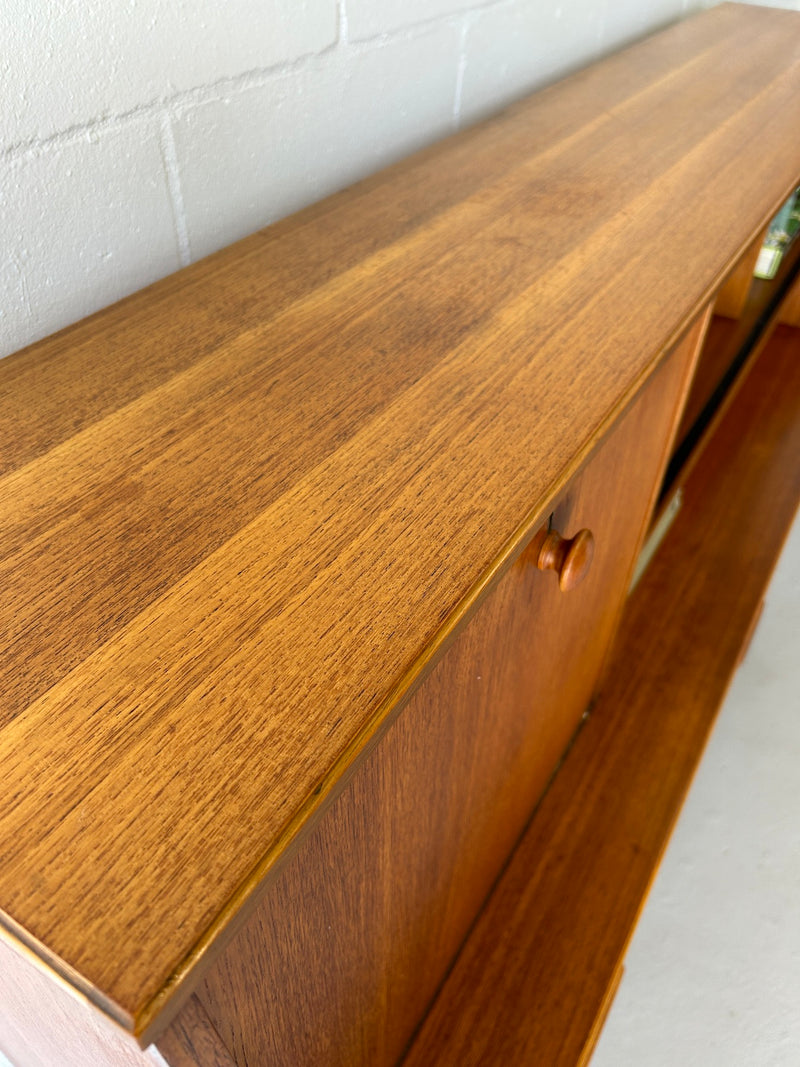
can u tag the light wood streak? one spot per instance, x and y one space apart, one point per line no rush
732 297
242 512
192 1041
340 960
535 973
790 310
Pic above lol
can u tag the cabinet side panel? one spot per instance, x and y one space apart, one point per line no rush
340 960
192 1041
790 312
732 295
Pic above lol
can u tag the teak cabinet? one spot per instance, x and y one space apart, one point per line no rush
365 919
318 744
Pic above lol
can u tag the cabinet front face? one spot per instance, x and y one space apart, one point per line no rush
344 953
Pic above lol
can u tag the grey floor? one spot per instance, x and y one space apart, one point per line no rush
712 976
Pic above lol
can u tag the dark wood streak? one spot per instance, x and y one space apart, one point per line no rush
539 966
242 510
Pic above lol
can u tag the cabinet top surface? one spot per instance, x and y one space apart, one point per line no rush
240 510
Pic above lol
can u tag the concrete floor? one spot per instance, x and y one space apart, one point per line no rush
712 975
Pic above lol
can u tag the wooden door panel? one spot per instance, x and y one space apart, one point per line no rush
345 951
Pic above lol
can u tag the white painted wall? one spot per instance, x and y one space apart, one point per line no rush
139 135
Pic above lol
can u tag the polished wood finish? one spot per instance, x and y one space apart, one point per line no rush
192 1041
723 342
243 513
731 341
600 1018
790 310
570 557
350 945
732 297
535 972
763 290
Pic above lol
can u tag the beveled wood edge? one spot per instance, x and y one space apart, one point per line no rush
695 336
746 637
745 633
193 1040
162 1008
789 311
731 300
164 1005
684 472
602 1015
760 229
619 967
752 357
36 954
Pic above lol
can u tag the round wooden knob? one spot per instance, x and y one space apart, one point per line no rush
570 558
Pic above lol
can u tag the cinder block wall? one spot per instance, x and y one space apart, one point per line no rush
139 135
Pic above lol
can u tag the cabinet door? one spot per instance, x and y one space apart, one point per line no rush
351 939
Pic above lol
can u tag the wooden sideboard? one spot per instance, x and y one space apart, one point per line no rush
313 556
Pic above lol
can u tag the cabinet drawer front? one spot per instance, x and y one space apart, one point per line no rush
352 938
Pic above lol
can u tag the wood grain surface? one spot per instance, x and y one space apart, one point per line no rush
341 959
767 303
732 297
241 511
790 311
537 970
192 1041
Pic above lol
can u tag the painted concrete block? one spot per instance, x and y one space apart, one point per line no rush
628 19
515 49
259 155
83 226
72 61
369 18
